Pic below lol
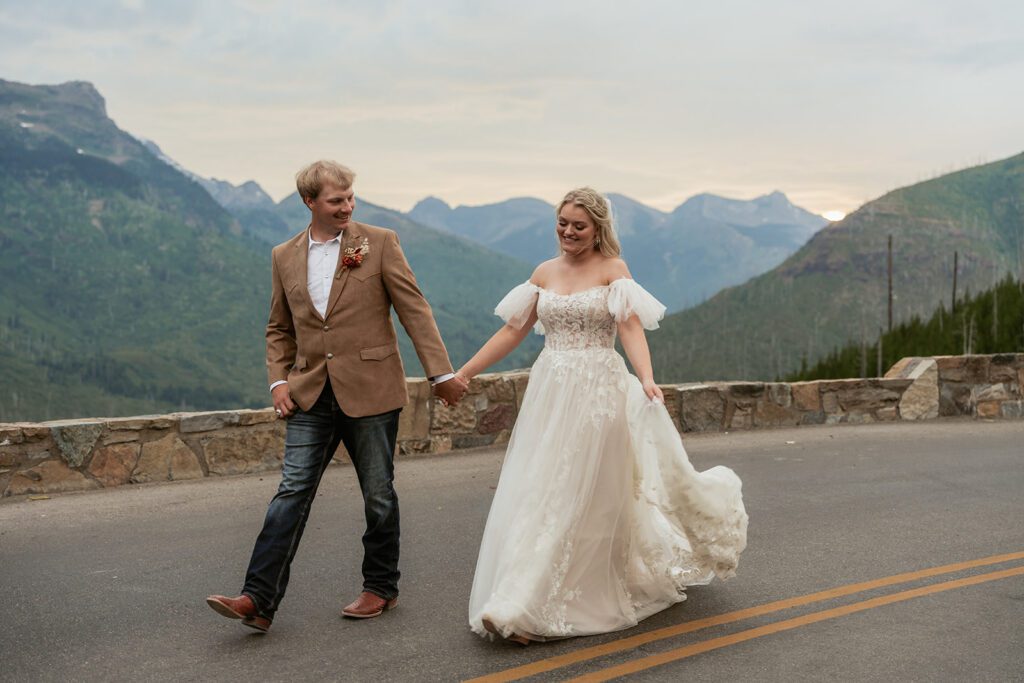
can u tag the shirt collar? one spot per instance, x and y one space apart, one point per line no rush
312 242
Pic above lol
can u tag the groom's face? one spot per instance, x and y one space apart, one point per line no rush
332 209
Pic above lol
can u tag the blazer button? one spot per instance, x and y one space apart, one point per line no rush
330 355
326 327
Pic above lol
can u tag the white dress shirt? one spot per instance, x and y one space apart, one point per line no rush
322 262
321 265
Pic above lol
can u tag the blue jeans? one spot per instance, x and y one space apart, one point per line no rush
311 439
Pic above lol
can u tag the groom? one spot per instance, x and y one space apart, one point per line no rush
336 376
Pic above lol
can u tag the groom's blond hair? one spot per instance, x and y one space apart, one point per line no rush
310 180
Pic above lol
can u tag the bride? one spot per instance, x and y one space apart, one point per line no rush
599 519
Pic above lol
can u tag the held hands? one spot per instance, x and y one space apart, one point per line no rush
283 404
451 391
653 391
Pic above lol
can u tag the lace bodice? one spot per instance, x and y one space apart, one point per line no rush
582 320
576 321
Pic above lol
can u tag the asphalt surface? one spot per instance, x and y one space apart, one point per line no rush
110 585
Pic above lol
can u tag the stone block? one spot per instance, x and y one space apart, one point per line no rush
991 392
967 369
472 440
113 465
166 459
499 417
779 393
903 367
742 417
242 451
414 446
813 418
457 419
806 395
859 418
770 414
865 396
701 408
207 422
745 391
119 437
988 409
954 399
52 476
1001 374
9 458
10 436
891 414
830 402
75 439
496 386
440 444
35 432
920 401
141 422
247 418
414 420
1012 410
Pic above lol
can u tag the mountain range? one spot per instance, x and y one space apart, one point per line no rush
127 288
131 285
682 257
834 289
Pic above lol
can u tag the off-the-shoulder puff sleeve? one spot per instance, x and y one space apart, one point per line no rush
518 304
627 298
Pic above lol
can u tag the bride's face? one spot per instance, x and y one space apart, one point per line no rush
576 230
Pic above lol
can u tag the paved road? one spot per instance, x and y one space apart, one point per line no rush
109 585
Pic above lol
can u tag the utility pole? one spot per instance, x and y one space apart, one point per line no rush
890 283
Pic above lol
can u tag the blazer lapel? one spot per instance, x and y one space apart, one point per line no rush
353 236
301 271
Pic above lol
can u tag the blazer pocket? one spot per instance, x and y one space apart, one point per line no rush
378 352
364 275
300 363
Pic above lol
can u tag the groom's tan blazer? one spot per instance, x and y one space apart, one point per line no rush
354 344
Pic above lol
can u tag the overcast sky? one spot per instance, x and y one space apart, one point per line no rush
477 101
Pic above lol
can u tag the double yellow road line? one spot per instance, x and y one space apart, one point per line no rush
643 663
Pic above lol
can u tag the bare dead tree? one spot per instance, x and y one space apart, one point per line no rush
879 368
890 283
956 258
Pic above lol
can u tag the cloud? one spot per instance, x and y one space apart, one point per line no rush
476 101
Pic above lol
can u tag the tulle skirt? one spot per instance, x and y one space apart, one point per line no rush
599 519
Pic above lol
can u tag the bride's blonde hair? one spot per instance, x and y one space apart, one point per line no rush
599 209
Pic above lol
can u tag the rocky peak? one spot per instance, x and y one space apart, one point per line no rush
84 94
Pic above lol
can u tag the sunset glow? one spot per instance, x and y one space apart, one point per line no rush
834 215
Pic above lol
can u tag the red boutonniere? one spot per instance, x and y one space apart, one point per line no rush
352 257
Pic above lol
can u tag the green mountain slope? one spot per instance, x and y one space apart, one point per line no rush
989 322
127 289
834 289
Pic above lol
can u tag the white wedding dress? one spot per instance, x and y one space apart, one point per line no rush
599 519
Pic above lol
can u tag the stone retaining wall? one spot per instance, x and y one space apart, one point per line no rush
74 455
